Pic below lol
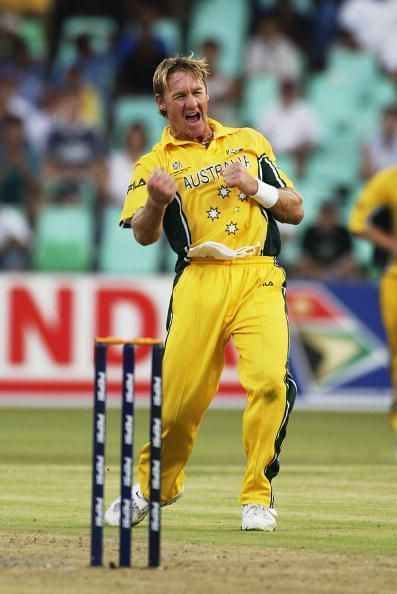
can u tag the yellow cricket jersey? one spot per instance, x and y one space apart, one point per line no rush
204 207
381 191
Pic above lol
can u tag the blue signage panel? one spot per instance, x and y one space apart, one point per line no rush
338 343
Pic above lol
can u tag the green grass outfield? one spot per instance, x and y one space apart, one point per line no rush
336 496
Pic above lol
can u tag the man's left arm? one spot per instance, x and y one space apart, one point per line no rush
289 206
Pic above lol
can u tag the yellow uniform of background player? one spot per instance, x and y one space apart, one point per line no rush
197 184
381 191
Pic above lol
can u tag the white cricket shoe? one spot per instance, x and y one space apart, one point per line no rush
140 507
258 517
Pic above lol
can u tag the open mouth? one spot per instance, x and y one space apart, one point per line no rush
193 118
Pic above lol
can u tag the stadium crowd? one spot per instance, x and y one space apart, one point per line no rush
76 112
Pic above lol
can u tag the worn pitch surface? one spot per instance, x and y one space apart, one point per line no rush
336 498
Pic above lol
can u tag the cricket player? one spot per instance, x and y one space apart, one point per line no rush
381 191
217 193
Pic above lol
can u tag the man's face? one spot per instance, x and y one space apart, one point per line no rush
186 104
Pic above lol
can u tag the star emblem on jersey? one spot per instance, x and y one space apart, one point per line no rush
231 228
213 213
223 192
242 197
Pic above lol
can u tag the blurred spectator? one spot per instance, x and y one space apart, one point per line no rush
63 9
15 238
73 147
296 24
269 51
96 68
36 121
178 9
381 150
68 191
324 24
326 249
291 126
91 108
222 89
354 68
7 95
120 163
139 51
373 22
388 57
27 72
19 168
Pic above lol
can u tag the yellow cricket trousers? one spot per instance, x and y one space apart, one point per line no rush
213 301
388 305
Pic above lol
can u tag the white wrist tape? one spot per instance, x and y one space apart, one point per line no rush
266 195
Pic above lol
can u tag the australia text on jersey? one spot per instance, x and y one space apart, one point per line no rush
203 176
211 173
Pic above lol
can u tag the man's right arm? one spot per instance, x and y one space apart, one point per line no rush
147 222
382 239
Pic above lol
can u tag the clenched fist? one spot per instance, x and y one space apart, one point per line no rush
161 187
237 176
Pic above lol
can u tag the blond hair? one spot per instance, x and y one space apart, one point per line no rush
197 67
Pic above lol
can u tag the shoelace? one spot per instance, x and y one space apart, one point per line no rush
257 509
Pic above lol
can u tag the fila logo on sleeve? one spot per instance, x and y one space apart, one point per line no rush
136 185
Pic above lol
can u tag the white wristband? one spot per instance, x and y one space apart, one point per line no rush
266 195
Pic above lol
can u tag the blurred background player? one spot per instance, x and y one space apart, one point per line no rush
381 191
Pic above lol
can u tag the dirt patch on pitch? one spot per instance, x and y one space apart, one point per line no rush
39 564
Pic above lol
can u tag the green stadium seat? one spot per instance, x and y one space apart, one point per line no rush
344 112
336 100
227 23
353 67
169 30
314 191
259 91
85 191
34 34
100 28
64 239
287 165
359 70
336 164
363 251
120 253
129 110
384 92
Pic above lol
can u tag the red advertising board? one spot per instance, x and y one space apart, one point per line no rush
49 323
